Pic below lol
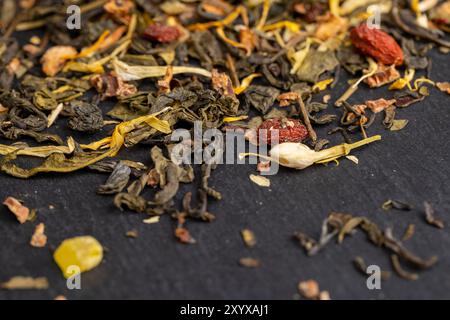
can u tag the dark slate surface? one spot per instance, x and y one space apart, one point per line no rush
410 165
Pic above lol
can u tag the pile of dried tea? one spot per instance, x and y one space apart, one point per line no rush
134 71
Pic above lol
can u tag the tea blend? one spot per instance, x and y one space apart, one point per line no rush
135 71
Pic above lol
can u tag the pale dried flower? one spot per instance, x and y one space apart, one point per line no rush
39 239
21 212
309 289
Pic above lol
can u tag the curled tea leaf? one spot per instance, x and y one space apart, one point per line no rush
117 181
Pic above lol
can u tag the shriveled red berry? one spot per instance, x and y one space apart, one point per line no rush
161 33
377 44
289 130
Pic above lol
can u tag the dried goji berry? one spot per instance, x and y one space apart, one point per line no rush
377 44
161 33
289 130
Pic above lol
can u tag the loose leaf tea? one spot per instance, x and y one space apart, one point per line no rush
340 224
137 71
431 218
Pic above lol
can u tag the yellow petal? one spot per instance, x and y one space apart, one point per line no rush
322 85
234 119
246 83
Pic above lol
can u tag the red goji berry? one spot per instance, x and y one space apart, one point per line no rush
161 33
289 130
377 44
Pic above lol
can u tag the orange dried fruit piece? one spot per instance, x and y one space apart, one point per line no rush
84 252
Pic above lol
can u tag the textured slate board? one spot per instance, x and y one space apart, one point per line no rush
410 165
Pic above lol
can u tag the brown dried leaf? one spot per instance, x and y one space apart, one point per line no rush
430 217
349 227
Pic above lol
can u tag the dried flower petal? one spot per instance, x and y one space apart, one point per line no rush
260 180
249 262
110 85
249 238
443 86
22 213
384 75
39 239
309 289
379 105
120 10
25 283
54 59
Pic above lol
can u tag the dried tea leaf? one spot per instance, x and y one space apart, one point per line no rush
249 238
261 98
39 239
132 234
349 227
20 211
430 217
315 64
25 283
361 266
85 117
117 181
402 272
260 180
409 232
395 204
249 262
398 124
